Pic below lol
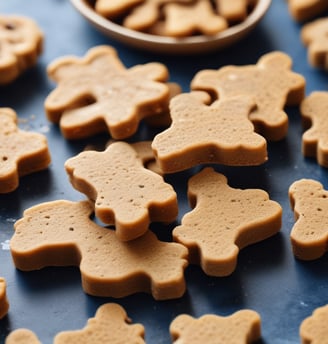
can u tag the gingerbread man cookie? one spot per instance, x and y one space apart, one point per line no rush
223 221
21 152
125 192
21 42
314 330
4 305
61 233
314 116
309 235
239 328
98 94
303 10
314 35
209 133
270 83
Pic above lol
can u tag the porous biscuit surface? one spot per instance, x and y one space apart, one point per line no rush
204 132
270 83
242 327
21 42
126 193
21 152
98 94
309 235
61 233
223 221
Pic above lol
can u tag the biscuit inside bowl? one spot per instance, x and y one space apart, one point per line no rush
164 44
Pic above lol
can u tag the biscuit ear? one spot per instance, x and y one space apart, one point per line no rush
178 324
276 60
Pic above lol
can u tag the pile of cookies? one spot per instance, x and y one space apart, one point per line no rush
228 117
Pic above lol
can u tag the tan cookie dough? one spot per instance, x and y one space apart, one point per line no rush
302 10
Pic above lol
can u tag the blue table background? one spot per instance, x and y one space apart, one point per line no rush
268 278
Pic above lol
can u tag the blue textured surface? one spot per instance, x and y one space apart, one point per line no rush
268 279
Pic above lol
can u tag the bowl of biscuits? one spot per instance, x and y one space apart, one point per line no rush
174 26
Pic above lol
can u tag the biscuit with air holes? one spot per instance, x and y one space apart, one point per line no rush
302 10
271 84
61 233
21 152
188 19
314 117
314 36
21 41
204 132
223 220
309 235
4 304
125 193
314 329
97 94
243 326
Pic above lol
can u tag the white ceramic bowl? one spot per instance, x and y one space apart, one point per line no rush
188 45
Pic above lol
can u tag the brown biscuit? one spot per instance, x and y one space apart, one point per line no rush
22 336
188 19
125 192
21 42
314 35
309 235
223 221
114 8
270 83
314 116
302 10
233 11
241 327
209 133
4 305
61 233
98 94
21 152
314 330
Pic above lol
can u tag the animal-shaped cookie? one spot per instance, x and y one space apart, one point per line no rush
223 221
314 35
314 117
98 94
115 8
110 325
21 42
302 10
309 235
241 327
21 152
61 233
4 304
185 20
271 84
125 192
204 132
233 11
314 330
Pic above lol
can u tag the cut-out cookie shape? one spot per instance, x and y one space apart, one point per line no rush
223 221
98 94
187 19
239 328
22 336
61 233
21 42
302 10
271 84
4 304
126 194
201 132
21 152
115 8
314 329
314 117
233 11
110 325
314 35
309 235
